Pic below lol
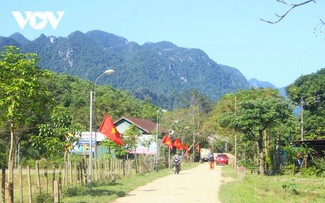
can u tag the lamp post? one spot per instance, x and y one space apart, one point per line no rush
93 93
106 72
186 129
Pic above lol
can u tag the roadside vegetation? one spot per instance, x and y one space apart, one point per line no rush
255 188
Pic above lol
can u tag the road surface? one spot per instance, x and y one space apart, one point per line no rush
199 184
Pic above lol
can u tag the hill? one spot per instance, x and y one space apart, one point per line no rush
161 71
255 83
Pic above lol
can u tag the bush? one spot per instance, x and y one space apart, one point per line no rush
289 169
42 198
74 191
309 171
319 163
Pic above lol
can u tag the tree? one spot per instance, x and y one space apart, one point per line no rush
191 118
56 137
21 95
308 91
257 110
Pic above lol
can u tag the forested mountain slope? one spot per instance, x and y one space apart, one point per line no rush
161 71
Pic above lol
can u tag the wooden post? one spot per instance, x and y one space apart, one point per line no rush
3 185
81 173
84 171
96 170
46 180
70 167
29 185
21 184
53 178
38 178
79 181
56 193
65 176
60 178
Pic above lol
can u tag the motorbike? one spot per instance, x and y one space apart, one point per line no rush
176 166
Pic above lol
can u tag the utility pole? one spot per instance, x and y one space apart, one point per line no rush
302 102
235 136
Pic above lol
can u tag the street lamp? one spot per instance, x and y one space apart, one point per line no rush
106 72
93 93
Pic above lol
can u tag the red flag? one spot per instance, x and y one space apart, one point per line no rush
108 128
167 141
186 149
178 144
197 148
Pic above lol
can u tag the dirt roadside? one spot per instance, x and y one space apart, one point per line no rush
199 184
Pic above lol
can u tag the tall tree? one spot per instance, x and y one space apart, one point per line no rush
308 92
257 110
21 95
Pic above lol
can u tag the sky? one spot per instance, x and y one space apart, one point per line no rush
230 32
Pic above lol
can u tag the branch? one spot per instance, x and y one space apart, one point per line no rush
292 6
319 26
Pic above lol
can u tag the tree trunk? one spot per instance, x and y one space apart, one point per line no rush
10 189
261 153
267 149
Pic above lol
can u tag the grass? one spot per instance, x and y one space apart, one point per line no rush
267 189
108 192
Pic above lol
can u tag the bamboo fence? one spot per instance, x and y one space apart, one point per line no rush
29 182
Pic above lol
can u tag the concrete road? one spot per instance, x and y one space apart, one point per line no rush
199 184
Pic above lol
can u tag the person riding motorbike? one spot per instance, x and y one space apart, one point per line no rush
177 159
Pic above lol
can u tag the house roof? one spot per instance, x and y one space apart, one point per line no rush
318 143
144 124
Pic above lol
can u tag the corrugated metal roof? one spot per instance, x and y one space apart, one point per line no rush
145 124
317 143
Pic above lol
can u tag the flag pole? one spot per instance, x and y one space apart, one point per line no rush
168 157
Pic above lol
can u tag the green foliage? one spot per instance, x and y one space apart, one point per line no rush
291 187
72 191
310 171
130 136
21 89
115 150
251 113
3 154
289 169
247 163
319 164
52 139
311 89
21 97
42 198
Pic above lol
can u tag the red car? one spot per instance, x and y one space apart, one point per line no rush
222 159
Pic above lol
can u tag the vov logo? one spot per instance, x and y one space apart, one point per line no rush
38 20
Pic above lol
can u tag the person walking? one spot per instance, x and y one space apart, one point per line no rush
211 161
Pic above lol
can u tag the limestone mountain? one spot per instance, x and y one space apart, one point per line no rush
160 71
